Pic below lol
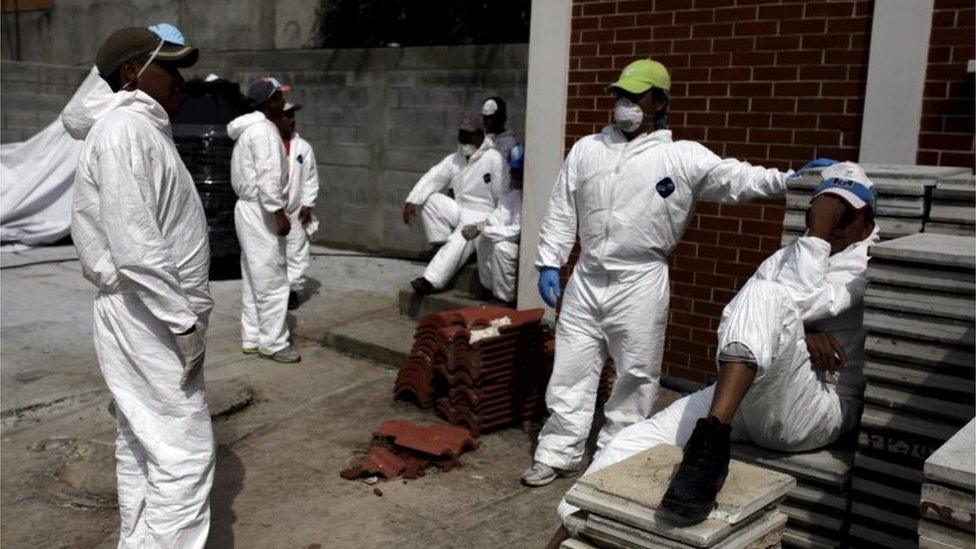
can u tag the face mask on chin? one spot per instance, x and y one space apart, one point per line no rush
467 149
627 115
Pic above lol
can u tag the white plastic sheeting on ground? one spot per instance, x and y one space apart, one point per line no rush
36 177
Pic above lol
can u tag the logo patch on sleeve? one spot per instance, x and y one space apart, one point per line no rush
487 177
300 159
665 187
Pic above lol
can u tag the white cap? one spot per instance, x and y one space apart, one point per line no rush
211 77
848 181
489 108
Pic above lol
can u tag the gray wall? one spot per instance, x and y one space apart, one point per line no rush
377 119
70 32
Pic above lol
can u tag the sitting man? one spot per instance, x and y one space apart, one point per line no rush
791 347
498 235
478 177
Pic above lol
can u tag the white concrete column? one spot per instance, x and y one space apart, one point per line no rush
897 63
545 128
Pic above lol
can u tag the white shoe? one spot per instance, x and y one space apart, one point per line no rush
286 356
539 474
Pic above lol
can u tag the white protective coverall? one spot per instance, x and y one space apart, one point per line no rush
498 246
141 236
478 183
303 189
502 142
632 201
791 406
258 172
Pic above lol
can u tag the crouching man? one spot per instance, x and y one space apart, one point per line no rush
478 177
498 235
790 354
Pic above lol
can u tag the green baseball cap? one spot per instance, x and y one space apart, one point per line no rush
642 75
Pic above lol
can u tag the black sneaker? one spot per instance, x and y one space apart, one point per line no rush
421 286
702 472
292 300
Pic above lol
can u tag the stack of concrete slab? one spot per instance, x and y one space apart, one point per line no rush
904 195
817 505
620 506
919 371
946 506
953 208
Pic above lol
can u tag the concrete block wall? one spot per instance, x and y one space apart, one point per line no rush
378 119
32 96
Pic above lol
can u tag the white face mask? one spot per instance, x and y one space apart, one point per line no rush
627 115
152 56
467 150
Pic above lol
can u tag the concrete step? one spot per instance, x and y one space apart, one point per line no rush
416 307
385 340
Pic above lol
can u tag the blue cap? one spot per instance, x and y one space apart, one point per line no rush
516 157
848 181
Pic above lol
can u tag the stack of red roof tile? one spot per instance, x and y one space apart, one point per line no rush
403 447
483 368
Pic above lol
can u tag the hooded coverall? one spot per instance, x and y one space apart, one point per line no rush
498 246
478 183
631 202
141 235
258 172
502 142
303 189
791 406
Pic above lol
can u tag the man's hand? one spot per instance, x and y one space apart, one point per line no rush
192 349
825 213
825 352
281 220
409 212
305 215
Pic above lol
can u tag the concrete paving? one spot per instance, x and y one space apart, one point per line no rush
929 249
279 457
954 464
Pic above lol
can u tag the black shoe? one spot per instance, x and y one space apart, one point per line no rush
421 286
292 300
702 472
429 253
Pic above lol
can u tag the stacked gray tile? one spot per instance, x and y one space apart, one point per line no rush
619 506
817 505
904 195
953 209
919 370
946 506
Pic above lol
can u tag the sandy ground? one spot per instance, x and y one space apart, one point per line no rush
279 458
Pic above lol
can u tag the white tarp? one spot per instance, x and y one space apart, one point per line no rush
36 177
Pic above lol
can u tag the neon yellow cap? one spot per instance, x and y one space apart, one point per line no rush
642 75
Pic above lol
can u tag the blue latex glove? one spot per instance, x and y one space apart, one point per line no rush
817 163
549 285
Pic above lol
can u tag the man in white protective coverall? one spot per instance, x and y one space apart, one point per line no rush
303 189
498 235
630 190
791 350
141 235
494 115
259 175
478 176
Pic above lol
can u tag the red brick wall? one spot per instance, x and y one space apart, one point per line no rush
946 136
768 82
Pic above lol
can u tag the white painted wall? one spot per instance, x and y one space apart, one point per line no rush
545 125
898 59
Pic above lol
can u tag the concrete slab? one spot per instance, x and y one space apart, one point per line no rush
889 227
890 446
417 307
920 328
885 185
386 340
953 212
878 512
888 206
929 249
874 537
800 539
631 492
879 417
829 466
948 506
575 543
918 352
763 532
921 277
900 171
954 464
922 302
951 229
878 370
809 518
945 535
914 400
816 499
961 188
889 468
929 543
